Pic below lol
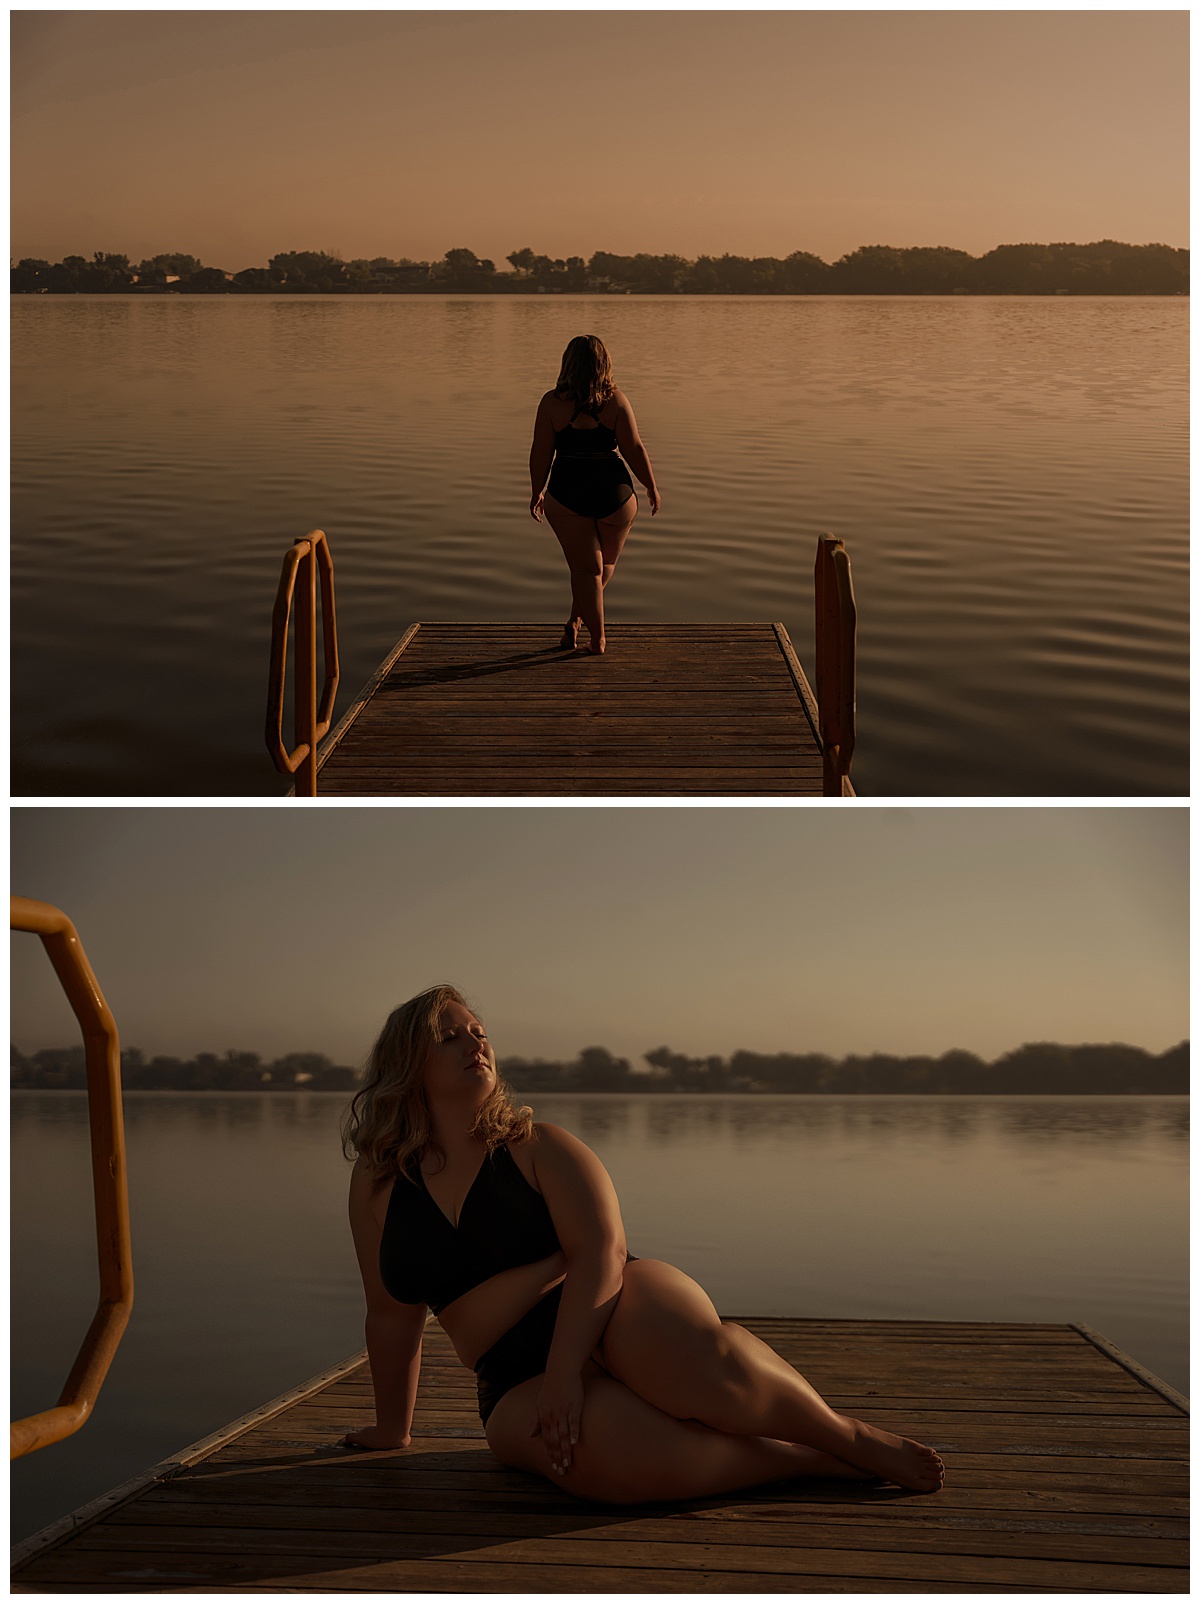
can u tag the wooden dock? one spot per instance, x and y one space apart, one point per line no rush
1066 1472
498 710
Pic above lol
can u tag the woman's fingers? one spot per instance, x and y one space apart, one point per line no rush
556 1434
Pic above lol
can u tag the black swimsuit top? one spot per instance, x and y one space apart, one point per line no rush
591 443
503 1223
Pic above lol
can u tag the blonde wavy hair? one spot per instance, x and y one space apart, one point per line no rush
586 374
387 1122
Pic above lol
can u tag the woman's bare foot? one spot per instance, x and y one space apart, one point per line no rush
898 1459
596 647
570 635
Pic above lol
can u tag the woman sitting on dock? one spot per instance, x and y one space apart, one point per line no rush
590 500
613 1376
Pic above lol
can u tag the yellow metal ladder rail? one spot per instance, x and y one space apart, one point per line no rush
102 1050
307 566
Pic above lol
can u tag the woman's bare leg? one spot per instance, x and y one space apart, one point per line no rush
612 531
581 547
629 1452
666 1342
591 547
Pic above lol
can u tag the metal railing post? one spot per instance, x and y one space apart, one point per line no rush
102 1051
836 631
307 563
305 707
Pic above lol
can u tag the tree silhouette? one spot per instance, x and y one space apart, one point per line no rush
1104 267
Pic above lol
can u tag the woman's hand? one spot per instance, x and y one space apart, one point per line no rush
374 1437
655 500
535 506
559 1411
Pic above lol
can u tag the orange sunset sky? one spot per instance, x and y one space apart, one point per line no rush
236 134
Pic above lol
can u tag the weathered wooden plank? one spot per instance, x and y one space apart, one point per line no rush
608 1544
590 1560
762 1520
554 1579
383 1532
699 786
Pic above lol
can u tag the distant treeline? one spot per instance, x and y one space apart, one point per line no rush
1035 1068
62 1069
1105 267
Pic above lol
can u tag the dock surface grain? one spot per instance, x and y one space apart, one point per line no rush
498 710
1065 1473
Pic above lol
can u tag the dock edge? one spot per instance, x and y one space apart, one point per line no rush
803 689
68 1525
1137 1371
361 700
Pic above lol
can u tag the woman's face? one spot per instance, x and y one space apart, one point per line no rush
461 1062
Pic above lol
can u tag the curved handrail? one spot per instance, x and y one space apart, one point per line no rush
309 560
837 628
103 1057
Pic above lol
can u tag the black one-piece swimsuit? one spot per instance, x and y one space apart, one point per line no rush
588 477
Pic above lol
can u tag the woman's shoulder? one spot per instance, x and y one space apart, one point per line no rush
370 1194
554 1141
367 1181
541 1135
617 406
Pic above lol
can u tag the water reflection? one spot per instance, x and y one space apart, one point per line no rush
601 1119
748 1121
673 1120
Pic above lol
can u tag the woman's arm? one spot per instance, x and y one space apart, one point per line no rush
541 455
394 1330
583 1205
634 452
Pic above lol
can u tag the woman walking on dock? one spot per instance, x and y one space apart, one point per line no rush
590 501
613 1376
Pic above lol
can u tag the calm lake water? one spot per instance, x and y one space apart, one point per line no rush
1009 476
951 1208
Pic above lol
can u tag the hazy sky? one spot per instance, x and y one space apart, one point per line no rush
834 930
236 134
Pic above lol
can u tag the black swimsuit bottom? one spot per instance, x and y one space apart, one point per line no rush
521 1352
588 477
